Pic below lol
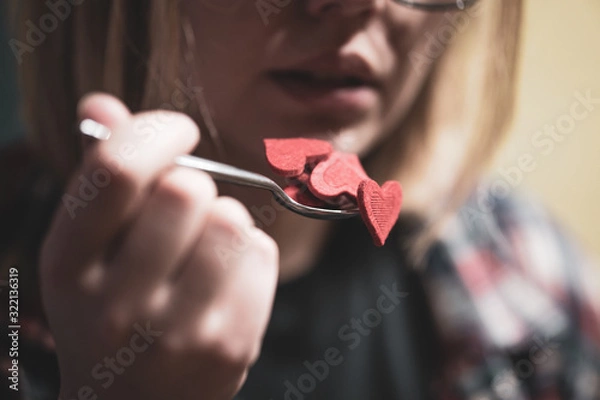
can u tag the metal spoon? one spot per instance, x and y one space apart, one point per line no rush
227 173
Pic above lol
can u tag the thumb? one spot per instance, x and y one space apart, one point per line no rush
104 109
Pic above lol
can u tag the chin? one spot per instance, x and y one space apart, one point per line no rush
358 140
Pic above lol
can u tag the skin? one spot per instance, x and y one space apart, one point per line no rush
233 76
143 250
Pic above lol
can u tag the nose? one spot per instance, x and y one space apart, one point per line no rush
321 8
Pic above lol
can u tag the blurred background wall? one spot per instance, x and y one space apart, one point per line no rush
560 63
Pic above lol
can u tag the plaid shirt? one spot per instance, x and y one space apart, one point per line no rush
519 308
513 297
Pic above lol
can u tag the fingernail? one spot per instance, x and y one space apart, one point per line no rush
92 128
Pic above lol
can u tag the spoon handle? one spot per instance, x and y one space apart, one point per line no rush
227 173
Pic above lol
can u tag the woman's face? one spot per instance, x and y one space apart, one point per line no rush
343 70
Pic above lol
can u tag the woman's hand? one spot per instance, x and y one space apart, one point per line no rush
154 287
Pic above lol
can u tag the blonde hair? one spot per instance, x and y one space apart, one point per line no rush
465 109
134 49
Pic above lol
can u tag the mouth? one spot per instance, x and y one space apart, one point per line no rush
320 80
329 91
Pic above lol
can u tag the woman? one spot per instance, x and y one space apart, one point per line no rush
157 284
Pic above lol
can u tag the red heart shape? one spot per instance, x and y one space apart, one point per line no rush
340 174
379 207
288 157
303 196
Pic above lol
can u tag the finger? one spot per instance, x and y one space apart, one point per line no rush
104 109
114 177
221 242
242 306
161 236
233 271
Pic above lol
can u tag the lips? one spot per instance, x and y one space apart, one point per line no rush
318 80
333 84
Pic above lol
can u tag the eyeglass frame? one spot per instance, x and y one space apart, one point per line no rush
437 7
